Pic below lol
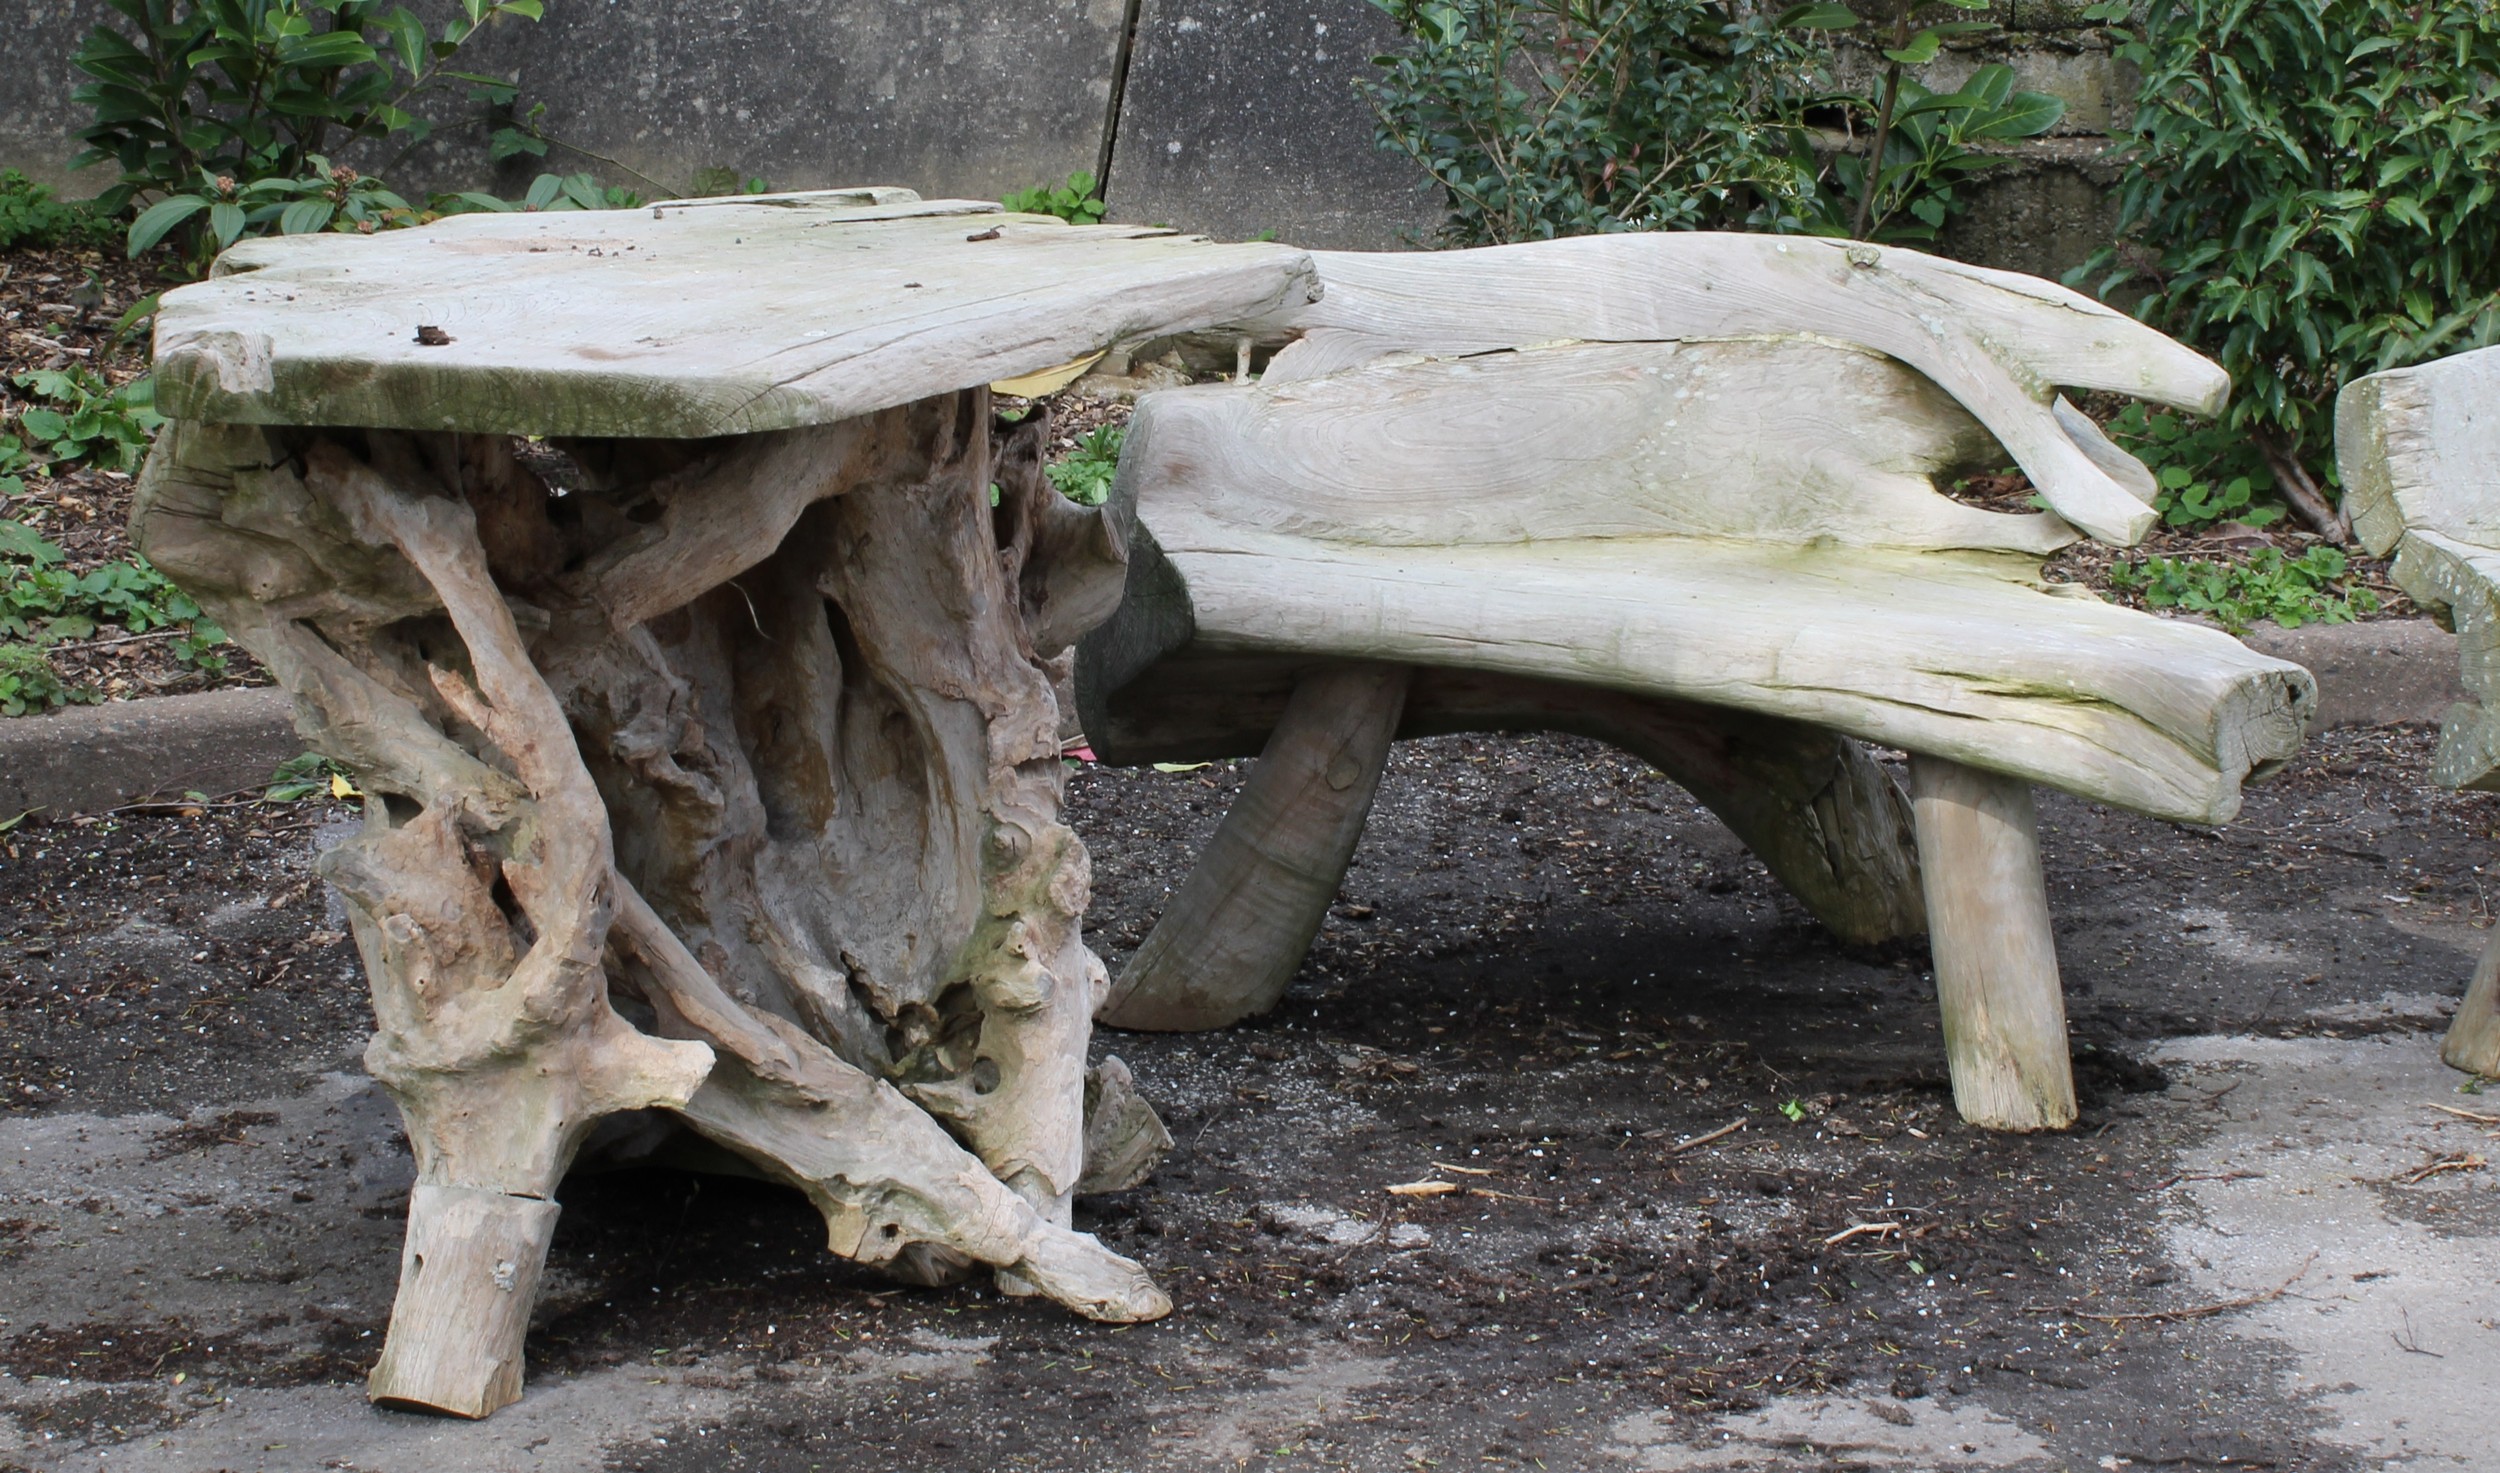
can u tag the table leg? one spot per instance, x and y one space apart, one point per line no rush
726 783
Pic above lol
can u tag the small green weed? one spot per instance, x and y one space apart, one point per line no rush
546 192
308 776
1084 474
2312 588
29 683
16 463
45 603
31 219
1794 1111
711 183
1073 201
78 417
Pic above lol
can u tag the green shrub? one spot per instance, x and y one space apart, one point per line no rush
1542 118
202 100
1073 200
2308 589
2207 472
2312 192
31 219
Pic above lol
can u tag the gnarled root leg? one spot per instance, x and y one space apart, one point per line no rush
501 1054
884 1174
835 773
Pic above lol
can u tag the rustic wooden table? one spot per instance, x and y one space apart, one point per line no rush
709 744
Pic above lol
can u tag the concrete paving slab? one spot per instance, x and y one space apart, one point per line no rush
2393 1304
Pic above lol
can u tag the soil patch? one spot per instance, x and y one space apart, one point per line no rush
162 960
1548 979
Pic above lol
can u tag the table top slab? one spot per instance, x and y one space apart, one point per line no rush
684 319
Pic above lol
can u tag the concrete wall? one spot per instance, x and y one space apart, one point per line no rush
36 115
956 97
1242 117
1233 117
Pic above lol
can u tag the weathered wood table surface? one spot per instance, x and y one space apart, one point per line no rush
709 746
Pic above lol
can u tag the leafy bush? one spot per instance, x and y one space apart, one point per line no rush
1901 188
1073 201
1544 118
1084 474
31 219
213 97
2308 589
327 196
2208 472
1922 140
2313 192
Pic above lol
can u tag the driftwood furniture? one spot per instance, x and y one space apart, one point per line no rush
2420 451
720 776
1678 493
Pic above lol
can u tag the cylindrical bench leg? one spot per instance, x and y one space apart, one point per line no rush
1236 933
467 1278
2473 1042
1996 962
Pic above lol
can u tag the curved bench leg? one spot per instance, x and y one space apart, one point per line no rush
1233 937
2473 1042
1821 815
1996 963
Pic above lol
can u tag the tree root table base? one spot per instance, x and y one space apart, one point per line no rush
655 820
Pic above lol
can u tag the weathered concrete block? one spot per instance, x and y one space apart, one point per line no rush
1238 119
2376 673
952 97
85 758
948 97
2045 210
38 123
2097 88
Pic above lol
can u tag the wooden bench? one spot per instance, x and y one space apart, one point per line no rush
1679 493
2420 451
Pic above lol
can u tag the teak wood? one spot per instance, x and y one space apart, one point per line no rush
710 754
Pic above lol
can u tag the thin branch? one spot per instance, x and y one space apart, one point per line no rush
106 644
2301 493
2197 1312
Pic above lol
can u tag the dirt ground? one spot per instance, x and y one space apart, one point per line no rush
1548 979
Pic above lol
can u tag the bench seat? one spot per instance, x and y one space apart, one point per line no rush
1728 553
